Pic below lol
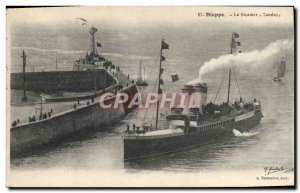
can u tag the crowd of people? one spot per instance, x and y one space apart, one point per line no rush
137 129
42 116
210 109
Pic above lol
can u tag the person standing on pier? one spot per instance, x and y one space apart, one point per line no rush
133 127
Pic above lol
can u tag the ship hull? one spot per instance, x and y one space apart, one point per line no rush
138 148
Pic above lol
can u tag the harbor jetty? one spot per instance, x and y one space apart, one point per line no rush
60 104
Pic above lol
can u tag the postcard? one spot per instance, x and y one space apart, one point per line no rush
150 97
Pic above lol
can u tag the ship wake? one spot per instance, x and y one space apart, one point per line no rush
243 134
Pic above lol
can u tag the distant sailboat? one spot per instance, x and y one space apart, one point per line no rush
280 71
140 81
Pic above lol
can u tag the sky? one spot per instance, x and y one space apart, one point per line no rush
137 16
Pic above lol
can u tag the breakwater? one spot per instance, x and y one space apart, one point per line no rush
62 125
75 81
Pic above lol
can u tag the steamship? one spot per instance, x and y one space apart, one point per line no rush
193 126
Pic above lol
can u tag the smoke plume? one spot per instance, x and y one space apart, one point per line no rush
248 62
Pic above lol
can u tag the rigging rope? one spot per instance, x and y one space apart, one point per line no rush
219 88
237 82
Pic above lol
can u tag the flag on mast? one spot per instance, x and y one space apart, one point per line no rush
161 81
174 77
164 45
235 40
161 70
98 44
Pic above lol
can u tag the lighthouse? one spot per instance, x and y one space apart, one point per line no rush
92 32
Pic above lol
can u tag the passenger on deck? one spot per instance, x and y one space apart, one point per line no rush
49 114
14 124
92 100
52 109
77 103
133 127
30 119
145 129
88 103
33 118
187 122
127 130
74 105
44 116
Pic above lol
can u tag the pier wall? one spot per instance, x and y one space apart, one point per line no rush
62 80
86 118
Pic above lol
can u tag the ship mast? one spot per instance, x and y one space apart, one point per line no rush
144 75
159 91
140 79
229 78
229 85
234 44
24 98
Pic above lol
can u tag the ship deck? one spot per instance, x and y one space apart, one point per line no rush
178 125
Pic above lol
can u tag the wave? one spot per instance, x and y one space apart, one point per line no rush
244 134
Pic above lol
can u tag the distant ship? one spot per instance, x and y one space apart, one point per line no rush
192 126
140 81
280 70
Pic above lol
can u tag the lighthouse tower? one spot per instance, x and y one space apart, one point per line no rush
92 32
